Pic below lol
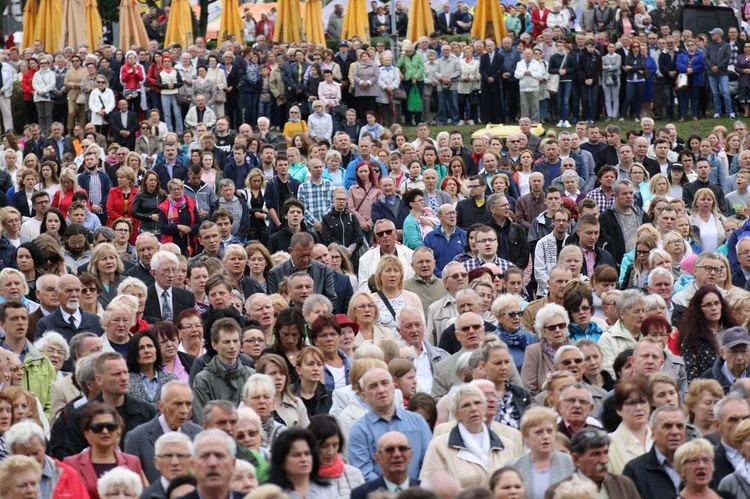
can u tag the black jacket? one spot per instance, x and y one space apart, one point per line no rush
281 240
322 399
689 190
649 478
590 66
492 70
511 243
181 300
609 225
468 213
722 466
144 205
55 322
67 147
341 227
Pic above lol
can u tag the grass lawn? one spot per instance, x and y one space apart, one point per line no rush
702 127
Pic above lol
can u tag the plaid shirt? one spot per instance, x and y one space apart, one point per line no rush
318 199
601 199
477 262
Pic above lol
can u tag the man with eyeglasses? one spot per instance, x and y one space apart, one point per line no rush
469 331
442 312
175 406
164 302
589 449
661 282
575 407
385 416
393 456
172 459
65 390
447 240
734 361
384 236
487 251
707 268
472 210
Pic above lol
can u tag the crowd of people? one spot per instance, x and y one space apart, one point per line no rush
232 274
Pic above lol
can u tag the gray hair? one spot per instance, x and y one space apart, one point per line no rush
739 242
263 119
161 257
467 292
503 302
131 282
565 348
146 235
214 435
121 476
464 361
225 182
657 272
619 182
577 386
719 407
362 379
84 372
167 388
401 313
313 300
107 232
369 351
739 388
569 174
666 408
23 433
173 437
547 312
449 265
628 299
423 249
53 338
261 384
658 252
458 392
655 300
76 343
247 414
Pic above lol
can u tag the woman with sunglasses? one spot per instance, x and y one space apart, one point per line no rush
508 309
102 428
578 301
101 102
90 290
551 325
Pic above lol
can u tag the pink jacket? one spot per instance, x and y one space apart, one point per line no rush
360 202
82 464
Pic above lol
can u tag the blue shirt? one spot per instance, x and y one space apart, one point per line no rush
364 436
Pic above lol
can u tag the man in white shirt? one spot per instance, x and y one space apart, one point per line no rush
32 227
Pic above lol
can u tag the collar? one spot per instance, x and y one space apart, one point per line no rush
393 486
164 483
160 291
76 315
165 428
661 458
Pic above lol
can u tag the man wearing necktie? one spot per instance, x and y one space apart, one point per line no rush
124 124
164 302
68 319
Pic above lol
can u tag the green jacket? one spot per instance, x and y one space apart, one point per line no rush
413 67
38 376
215 382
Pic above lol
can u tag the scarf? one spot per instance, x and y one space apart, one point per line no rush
267 426
547 349
293 120
468 59
333 470
514 340
173 213
479 447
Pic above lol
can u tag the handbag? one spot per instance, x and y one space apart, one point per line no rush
221 96
414 103
131 93
399 94
553 84
610 81
681 82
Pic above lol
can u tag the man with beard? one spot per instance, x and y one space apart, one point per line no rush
97 184
590 452
68 319
76 247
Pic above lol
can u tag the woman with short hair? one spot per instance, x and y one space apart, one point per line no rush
258 394
287 409
551 325
106 265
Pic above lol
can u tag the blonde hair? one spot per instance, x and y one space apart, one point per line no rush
99 252
385 262
690 450
535 416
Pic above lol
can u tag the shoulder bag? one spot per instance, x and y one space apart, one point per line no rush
681 82
553 84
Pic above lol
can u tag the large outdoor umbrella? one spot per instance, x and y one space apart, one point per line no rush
231 21
420 20
49 25
287 22
94 24
488 21
356 22
30 15
132 30
74 25
180 24
313 23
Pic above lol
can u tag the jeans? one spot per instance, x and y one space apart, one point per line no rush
668 98
563 99
264 109
249 107
612 100
720 90
633 93
447 98
574 103
589 96
172 109
689 98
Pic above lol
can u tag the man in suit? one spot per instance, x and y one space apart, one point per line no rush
301 251
175 405
124 124
343 285
740 277
58 141
169 165
146 245
67 389
46 294
589 450
469 332
68 319
446 21
213 465
393 455
491 71
730 412
164 301
174 459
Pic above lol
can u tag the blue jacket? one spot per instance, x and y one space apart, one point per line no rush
84 182
238 173
380 210
272 196
329 375
742 231
445 248
699 67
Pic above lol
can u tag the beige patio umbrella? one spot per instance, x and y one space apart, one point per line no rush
48 25
180 24
30 15
420 20
94 24
132 30
74 25
288 22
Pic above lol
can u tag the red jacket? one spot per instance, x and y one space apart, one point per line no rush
26 86
131 81
151 76
63 200
81 464
539 20
69 484
116 209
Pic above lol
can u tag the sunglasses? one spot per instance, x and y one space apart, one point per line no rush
475 327
514 315
555 327
386 232
100 427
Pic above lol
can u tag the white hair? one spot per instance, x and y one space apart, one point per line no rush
120 476
131 282
212 436
161 257
53 338
173 437
23 433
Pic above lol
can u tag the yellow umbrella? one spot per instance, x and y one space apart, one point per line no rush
356 22
180 24
313 24
94 25
49 25
231 21
287 22
30 14
132 30
74 25
420 20
488 21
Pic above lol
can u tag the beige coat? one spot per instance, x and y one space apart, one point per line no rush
613 342
505 432
447 452
623 447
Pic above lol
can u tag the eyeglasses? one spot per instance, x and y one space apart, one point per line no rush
169 457
91 289
570 362
475 327
403 449
124 231
711 269
643 252
713 304
460 275
701 460
251 341
487 240
100 427
365 306
386 232
555 327
514 315
583 308
574 400
101 82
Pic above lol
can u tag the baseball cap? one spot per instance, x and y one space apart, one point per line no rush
343 43
717 31
735 336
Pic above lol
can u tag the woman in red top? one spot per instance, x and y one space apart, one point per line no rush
28 90
68 186
132 77
154 94
120 200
